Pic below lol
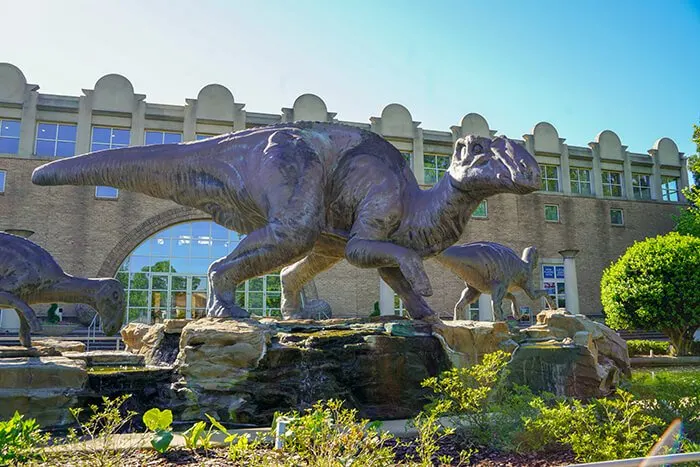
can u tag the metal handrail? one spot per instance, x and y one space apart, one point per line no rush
95 324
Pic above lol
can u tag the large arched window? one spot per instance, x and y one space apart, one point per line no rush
166 275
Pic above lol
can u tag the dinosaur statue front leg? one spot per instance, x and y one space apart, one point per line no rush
416 305
27 318
498 293
295 276
514 308
535 294
469 296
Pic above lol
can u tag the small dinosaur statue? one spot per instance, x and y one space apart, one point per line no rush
308 195
29 275
487 267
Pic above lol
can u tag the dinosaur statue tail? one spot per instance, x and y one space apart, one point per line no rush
142 169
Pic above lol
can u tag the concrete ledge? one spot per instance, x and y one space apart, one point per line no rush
664 361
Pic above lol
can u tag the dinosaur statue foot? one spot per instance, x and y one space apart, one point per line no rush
25 337
221 309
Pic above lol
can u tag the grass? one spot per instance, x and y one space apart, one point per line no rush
665 383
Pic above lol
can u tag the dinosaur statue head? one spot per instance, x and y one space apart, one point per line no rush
110 305
487 166
531 257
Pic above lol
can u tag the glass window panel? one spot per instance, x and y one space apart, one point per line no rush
616 190
201 229
170 138
585 189
138 298
98 147
180 246
153 137
2 181
101 135
181 265
256 284
142 250
201 136
47 131
199 265
552 185
240 298
200 247
180 230
9 128
481 210
179 283
443 162
139 263
67 132
139 281
560 288
199 283
219 232
123 277
220 248
255 300
120 136
106 192
65 149
9 145
273 283
159 246
159 282
561 302
551 213
45 148
430 177
273 300
139 315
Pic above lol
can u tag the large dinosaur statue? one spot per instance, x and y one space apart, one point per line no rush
487 267
29 275
308 195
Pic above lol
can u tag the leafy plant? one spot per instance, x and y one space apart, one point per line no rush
654 286
98 431
430 432
241 447
52 314
21 440
604 429
644 347
159 421
330 435
195 436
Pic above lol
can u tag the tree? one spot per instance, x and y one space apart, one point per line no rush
689 220
655 285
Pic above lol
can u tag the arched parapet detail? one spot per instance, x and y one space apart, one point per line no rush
396 120
114 93
215 102
610 146
666 150
14 84
546 138
308 107
143 231
472 124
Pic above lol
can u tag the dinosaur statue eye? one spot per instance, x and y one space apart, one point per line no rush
115 295
477 149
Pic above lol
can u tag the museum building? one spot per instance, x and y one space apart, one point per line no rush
596 200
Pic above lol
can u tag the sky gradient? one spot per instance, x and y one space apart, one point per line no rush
585 66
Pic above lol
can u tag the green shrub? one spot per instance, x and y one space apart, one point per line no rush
159 423
604 429
643 347
21 440
329 435
196 436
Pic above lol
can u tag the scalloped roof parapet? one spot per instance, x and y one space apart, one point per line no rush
474 124
546 138
113 92
609 145
215 102
310 107
14 84
397 121
667 152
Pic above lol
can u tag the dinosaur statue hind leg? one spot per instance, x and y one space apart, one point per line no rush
295 213
27 318
416 306
469 296
514 308
498 293
295 276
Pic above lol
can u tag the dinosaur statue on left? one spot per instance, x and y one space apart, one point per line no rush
29 275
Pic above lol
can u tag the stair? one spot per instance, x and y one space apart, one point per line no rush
642 335
99 342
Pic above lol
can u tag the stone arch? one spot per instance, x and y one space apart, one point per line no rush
113 92
546 138
137 235
475 124
397 121
215 102
667 152
610 146
13 83
310 107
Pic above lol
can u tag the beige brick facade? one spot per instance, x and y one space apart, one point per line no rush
92 237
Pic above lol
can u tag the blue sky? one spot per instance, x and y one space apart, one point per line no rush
584 66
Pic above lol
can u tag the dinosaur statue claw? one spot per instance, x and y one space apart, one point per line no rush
220 309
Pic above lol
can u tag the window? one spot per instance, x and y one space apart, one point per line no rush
9 136
641 186
108 138
434 167
106 192
669 188
551 213
162 137
3 175
166 276
201 136
474 311
553 281
399 309
408 157
481 211
612 184
580 181
616 217
550 177
55 139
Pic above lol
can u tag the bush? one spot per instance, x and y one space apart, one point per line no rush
159 421
21 440
643 347
654 286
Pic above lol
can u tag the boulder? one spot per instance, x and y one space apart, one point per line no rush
14 351
158 343
466 342
570 355
107 358
59 345
133 334
43 388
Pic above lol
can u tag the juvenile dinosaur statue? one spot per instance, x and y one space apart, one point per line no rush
29 275
487 267
308 195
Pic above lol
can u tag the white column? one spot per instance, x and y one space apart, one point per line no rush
571 280
485 308
386 299
564 167
417 154
28 126
597 172
656 175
